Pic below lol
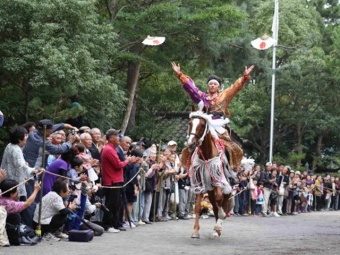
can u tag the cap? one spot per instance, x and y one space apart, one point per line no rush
45 122
145 154
269 164
172 143
111 132
297 172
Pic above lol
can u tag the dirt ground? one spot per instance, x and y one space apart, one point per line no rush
308 233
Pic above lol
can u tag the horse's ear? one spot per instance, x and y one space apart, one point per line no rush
193 108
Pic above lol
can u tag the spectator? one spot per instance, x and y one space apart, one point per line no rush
12 206
53 212
150 182
29 126
60 167
13 160
132 189
35 141
97 143
112 174
267 187
182 178
76 171
122 150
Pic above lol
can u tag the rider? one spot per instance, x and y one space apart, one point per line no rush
217 104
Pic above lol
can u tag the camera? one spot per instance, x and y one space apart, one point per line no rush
73 131
100 200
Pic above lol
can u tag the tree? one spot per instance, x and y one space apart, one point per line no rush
190 29
52 52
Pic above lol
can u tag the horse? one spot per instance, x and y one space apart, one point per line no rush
208 169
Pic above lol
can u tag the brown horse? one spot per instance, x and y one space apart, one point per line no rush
207 170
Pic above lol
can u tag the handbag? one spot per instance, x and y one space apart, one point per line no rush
13 233
80 235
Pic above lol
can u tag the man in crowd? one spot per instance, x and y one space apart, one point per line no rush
112 174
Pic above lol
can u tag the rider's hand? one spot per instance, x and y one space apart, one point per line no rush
176 67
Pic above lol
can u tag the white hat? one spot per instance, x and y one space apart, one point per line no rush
172 143
297 172
269 164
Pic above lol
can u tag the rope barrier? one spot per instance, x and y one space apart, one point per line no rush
65 177
16 186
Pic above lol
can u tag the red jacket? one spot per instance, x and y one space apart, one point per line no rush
112 166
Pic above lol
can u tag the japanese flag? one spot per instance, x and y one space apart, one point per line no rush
263 43
153 40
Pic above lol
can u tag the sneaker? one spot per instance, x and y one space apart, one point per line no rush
132 225
50 237
61 235
294 213
125 225
141 223
275 214
113 230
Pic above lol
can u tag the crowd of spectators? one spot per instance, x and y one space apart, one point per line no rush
109 183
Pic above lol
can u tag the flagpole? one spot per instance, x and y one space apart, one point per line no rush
275 37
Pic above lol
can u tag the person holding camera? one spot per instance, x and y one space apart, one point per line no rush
9 200
53 210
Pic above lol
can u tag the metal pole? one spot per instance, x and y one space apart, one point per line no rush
38 230
275 37
272 106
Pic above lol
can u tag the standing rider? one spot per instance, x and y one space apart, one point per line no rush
217 104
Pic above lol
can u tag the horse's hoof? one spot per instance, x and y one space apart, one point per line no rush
195 235
215 236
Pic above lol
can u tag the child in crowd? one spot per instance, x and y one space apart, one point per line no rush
76 171
86 158
260 197
255 192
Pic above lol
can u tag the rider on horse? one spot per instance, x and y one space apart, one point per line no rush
217 104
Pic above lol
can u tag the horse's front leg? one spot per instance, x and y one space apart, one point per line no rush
198 209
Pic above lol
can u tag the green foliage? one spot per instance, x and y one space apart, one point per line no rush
55 51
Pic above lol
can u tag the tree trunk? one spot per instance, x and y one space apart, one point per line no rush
112 8
132 83
317 150
299 143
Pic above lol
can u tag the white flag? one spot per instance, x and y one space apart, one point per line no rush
275 26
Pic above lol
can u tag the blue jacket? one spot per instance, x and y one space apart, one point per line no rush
35 141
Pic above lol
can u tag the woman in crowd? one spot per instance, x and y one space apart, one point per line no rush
13 160
9 200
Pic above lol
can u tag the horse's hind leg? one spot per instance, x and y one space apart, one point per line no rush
218 197
227 203
198 209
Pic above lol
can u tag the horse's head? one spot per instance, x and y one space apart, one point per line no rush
196 131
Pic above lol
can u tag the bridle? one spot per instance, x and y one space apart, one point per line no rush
200 138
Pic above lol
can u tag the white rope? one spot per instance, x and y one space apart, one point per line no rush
208 174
